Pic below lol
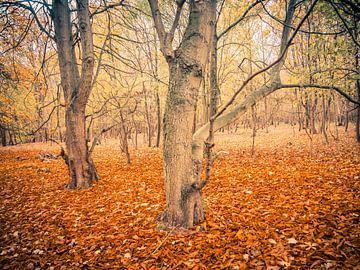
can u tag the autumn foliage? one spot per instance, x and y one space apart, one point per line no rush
288 206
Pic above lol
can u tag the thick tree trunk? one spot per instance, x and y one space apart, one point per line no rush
186 65
81 167
76 88
182 207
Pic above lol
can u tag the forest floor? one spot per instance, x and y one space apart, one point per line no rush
293 205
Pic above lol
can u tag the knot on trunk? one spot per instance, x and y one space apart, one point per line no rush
89 60
83 25
191 66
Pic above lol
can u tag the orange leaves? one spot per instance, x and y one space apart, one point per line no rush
295 211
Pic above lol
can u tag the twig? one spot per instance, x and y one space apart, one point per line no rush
161 243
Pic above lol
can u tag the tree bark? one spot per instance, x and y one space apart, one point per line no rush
76 89
158 117
178 126
186 65
3 136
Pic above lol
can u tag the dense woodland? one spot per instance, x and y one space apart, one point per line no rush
181 78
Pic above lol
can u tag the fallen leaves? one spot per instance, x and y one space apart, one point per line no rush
281 209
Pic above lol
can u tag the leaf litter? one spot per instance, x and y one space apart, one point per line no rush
285 208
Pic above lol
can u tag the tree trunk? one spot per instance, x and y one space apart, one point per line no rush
3 136
148 116
324 120
124 138
158 116
76 89
357 52
12 138
186 65
313 107
178 126
81 167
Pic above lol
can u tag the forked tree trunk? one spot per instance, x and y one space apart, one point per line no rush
186 65
81 167
76 89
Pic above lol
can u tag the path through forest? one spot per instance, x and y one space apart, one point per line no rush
286 206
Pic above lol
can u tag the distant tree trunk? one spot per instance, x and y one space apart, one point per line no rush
124 138
254 128
11 136
313 108
136 131
3 136
298 111
324 119
76 88
148 117
158 116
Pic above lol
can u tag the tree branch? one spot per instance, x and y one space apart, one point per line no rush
325 87
231 26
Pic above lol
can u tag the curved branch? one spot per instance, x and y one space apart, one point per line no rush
345 24
301 31
276 64
324 87
231 26
32 11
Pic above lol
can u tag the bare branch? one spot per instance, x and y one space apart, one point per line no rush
170 35
96 139
325 87
32 11
107 7
231 26
284 47
345 24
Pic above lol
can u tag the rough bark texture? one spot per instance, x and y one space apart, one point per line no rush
186 65
76 89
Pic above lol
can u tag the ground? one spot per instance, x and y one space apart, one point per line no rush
293 205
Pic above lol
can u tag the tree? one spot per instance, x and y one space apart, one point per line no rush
183 158
76 87
186 67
